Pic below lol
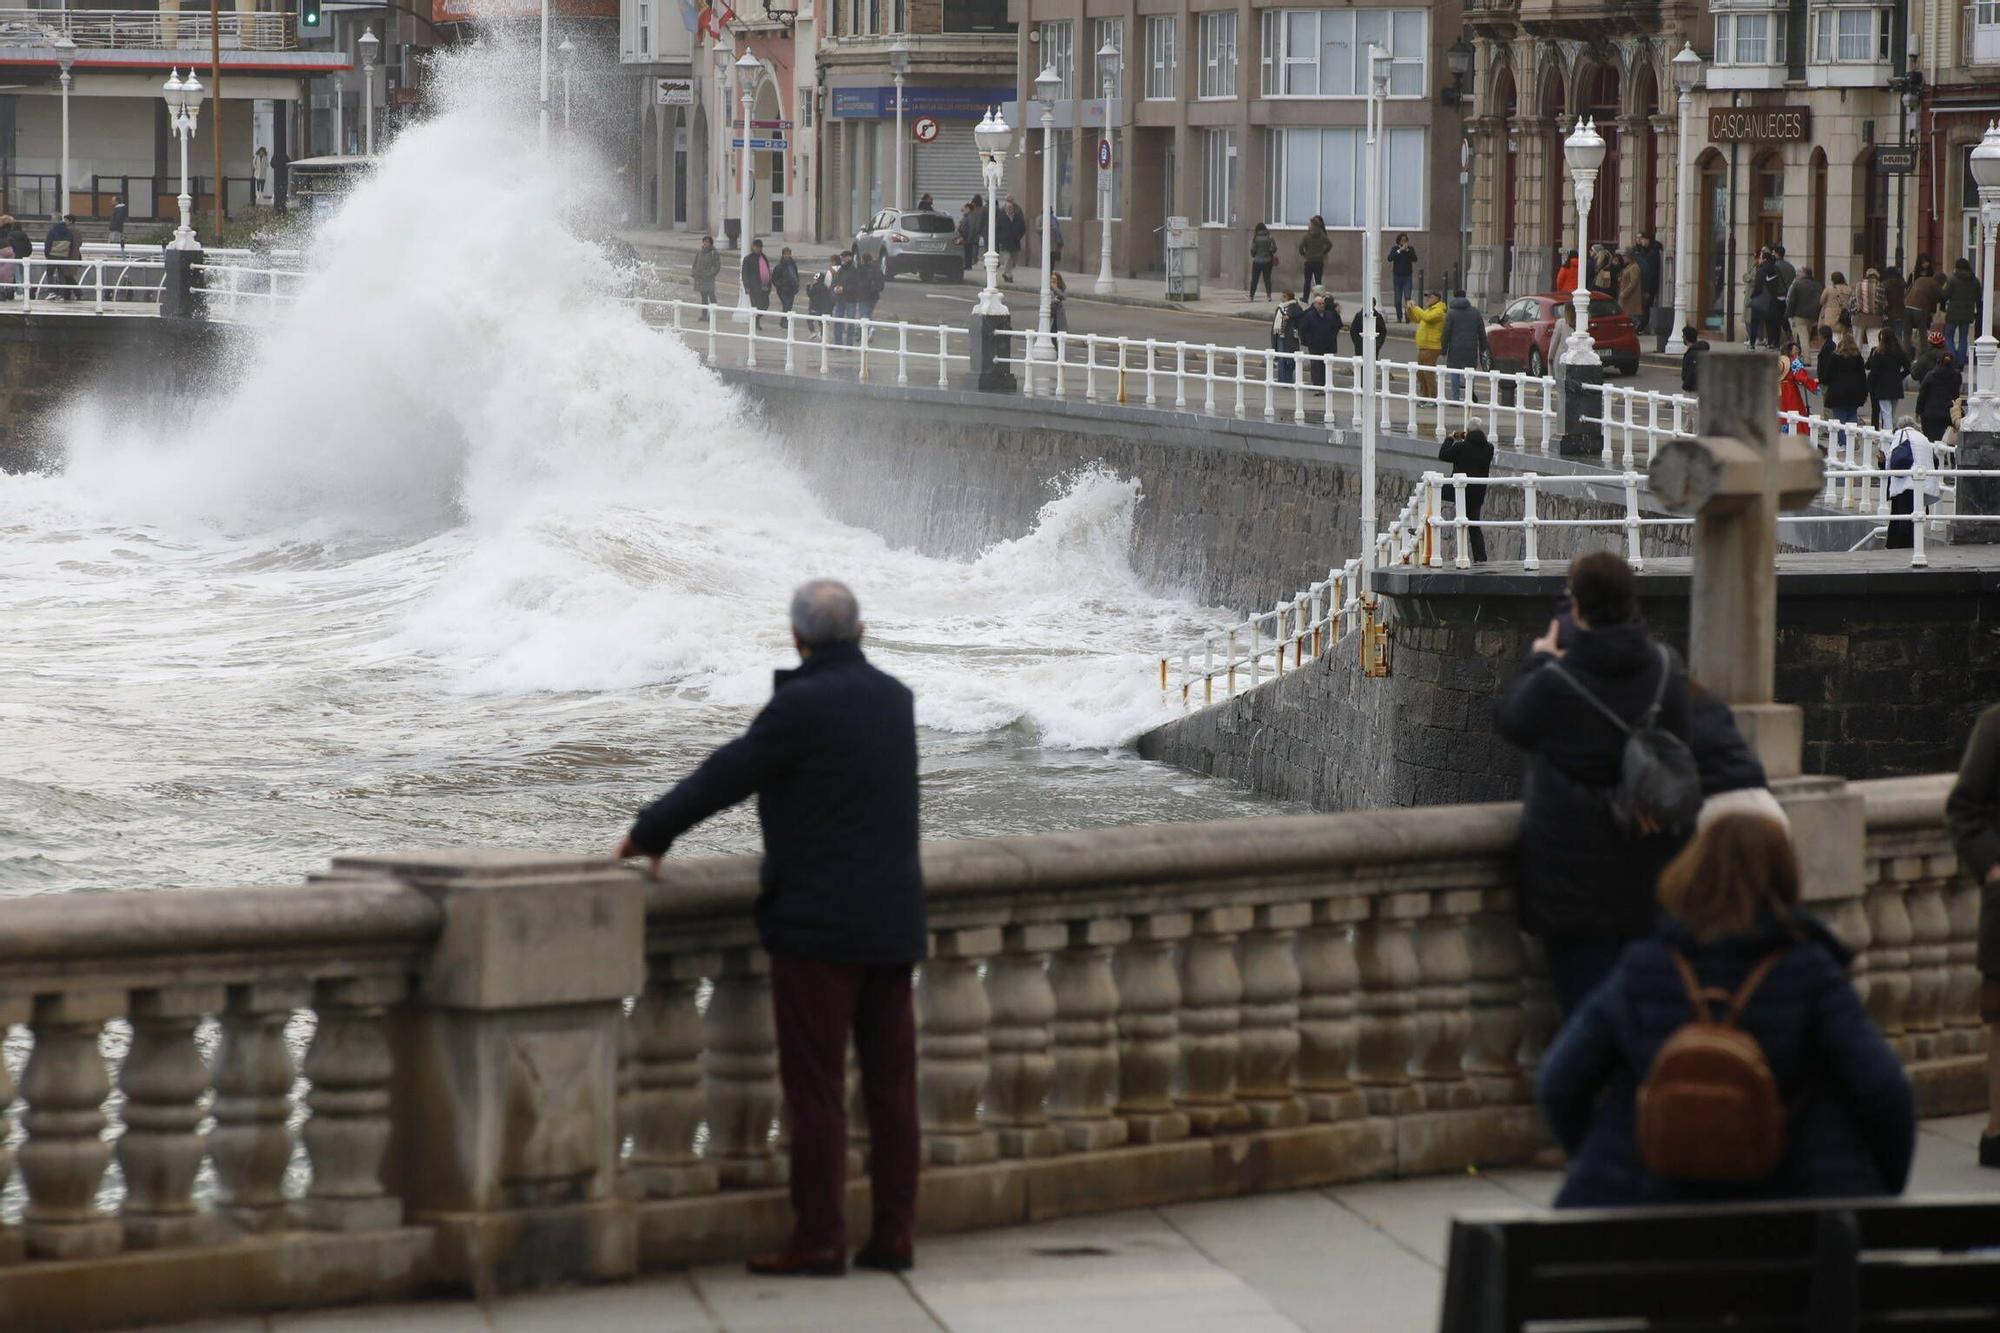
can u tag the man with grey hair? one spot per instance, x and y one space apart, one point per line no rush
832 760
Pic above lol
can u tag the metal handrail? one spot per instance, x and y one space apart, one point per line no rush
146 29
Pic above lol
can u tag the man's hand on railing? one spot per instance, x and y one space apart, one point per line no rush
627 849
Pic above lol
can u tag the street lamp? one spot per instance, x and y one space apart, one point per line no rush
1047 84
65 57
369 44
899 64
1457 59
722 116
1371 278
992 136
1464 212
568 52
1584 151
1687 74
183 98
542 113
339 115
1911 86
1982 412
1107 66
747 70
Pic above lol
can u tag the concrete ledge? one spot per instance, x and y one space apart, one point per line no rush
292 1270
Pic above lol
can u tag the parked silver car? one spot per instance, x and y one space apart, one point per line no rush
914 242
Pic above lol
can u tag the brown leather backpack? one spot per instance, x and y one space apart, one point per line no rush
1709 1109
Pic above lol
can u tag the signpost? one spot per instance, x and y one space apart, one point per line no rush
1895 159
673 92
764 145
1104 154
925 129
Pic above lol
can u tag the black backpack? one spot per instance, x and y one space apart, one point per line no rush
1659 789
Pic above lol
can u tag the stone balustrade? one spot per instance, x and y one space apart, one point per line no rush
467 1071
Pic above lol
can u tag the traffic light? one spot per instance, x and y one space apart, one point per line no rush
308 16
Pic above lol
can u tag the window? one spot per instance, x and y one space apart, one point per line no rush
645 30
1059 50
1065 150
1162 81
1324 52
1851 35
977 16
1112 31
1218 54
1325 172
1750 39
1218 177
899 15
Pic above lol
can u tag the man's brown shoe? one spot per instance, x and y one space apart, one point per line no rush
884 1260
801 1263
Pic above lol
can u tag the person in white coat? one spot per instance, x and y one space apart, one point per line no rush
1914 459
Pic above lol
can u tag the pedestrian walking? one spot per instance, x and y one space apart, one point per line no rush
1465 346
1648 252
1867 307
756 275
1973 812
1895 314
1314 247
1802 306
1403 271
1837 303
1888 366
871 280
1922 300
1356 334
1962 303
706 268
1319 335
848 286
1632 291
819 297
1566 274
1937 394
1471 453
1429 319
1843 377
1263 259
1694 343
1586 880
1736 947
1796 385
1058 294
1011 233
832 761
1915 488
1285 336
785 280
119 214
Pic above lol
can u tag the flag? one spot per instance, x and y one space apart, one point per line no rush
691 17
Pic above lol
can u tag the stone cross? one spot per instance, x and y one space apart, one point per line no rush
1735 479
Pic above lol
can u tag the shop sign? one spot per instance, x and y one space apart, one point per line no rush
673 92
1895 159
1759 124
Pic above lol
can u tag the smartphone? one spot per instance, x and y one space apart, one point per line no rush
1565 622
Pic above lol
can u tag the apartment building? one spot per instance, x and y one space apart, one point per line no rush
1236 115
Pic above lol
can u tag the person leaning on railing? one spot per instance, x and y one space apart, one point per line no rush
1973 812
1470 452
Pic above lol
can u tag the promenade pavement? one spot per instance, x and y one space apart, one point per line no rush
1364 1258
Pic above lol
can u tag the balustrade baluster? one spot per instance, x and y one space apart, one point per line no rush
667 1096
1269 1041
1024 1004
1443 1026
349 1066
1963 1029
250 1143
1085 1047
1385 951
1270 386
1149 1000
1496 995
952 1047
1329 980
1888 974
63 1160
1930 933
12 1245
1540 1014
163 1079
741 1065
1211 1016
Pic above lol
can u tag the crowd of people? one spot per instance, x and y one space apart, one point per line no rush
1631 277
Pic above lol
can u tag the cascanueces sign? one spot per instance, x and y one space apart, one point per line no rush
1759 124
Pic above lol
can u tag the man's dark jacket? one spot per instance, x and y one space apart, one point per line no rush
1581 875
832 760
1851 1123
1319 331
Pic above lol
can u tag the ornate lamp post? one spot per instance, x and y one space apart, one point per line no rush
369 45
183 98
1584 150
899 64
65 50
1982 411
747 70
1107 66
722 63
1687 74
1047 84
992 136
568 52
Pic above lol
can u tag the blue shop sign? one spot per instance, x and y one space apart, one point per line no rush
938 103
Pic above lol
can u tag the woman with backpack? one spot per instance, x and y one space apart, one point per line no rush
1821 1105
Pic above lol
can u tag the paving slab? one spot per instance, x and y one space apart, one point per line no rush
1417 1213
742 1303
1960 1129
650 1305
425 1317
1535 1187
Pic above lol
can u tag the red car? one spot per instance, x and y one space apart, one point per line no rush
1520 338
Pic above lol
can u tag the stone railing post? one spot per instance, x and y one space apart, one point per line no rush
1211 1019
350 1068
163 1079
13 1247
1497 995
1085 1052
741 1064
1385 950
1023 1006
1331 979
1963 1030
1269 1042
1149 1053
1444 1003
1887 977
63 1160
504 1100
952 1050
667 1101
254 1073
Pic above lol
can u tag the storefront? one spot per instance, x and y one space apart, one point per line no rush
940 158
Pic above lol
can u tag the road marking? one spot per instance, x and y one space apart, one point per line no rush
947 296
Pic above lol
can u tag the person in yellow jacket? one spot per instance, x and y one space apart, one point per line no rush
1429 319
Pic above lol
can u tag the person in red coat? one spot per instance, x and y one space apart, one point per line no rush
1566 275
1794 383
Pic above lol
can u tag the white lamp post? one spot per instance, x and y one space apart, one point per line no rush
369 44
542 115
1982 412
899 64
722 117
1371 278
1584 150
65 57
1107 66
183 97
340 115
568 52
747 70
1047 84
992 135
1687 73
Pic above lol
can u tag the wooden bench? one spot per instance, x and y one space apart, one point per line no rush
1819 1267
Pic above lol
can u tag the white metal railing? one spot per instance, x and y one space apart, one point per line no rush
1636 422
242 294
146 29
1306 626
100 283
804 344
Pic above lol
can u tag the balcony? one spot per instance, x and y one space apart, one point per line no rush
928 50
144 30
1979 34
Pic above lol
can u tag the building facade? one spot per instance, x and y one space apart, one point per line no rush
1245 114
1839 129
